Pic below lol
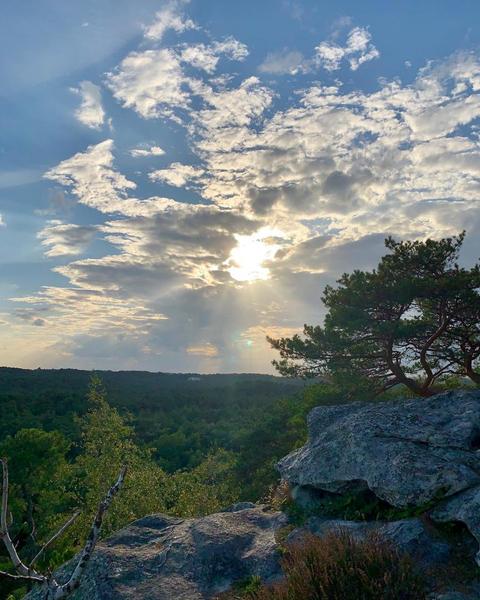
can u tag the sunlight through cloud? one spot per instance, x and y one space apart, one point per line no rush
251 252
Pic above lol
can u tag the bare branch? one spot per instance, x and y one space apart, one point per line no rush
3 518
23 577
27 573
19 566
65 526
89 547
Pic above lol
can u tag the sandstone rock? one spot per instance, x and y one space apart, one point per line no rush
408 535
408 452
463 507
163 558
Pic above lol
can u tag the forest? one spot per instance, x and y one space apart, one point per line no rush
193 443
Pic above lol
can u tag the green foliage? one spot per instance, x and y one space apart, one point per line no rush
360 506
276 433
339 567
38 474
412 322
182 418
50 478
208 488
107 444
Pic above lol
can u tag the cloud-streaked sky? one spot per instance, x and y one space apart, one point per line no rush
179 179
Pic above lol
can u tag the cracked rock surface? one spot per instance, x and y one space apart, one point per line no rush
161 558
408 452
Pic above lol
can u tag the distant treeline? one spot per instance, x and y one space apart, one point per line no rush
181 416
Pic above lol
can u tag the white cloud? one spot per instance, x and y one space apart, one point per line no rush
92 179
170 17
231 48
147 150
65 239
283 62
206 57
90 111
150 82
176 174
357 50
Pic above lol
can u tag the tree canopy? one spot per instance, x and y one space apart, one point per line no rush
413 320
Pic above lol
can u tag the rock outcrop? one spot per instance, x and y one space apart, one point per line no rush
409 453
163 558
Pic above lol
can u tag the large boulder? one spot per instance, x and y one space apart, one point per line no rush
160 557
407 452
463 507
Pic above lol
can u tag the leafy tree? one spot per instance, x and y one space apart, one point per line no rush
413 321
208 488
107 443
39 471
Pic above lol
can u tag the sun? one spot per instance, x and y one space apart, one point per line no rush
251 252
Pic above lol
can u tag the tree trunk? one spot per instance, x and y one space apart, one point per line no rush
474 376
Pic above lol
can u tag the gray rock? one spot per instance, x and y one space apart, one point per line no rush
463 507
408 535
408 452
160 558
240 506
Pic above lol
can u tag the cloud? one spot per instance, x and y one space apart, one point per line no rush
357 50
193 241
206 57
176 174
90 111
77 311
332 172
282 63
154 83
147 150
65 239
207 350
2 221
150 82
92 179
170 17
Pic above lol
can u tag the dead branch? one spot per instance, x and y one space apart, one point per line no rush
55 590
92 539
65 526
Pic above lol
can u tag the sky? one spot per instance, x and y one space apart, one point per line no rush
180 179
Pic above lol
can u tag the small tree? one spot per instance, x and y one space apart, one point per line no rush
107 443
412 321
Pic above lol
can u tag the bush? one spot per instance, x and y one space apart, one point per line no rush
338 567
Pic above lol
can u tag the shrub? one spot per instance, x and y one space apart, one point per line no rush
339 567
